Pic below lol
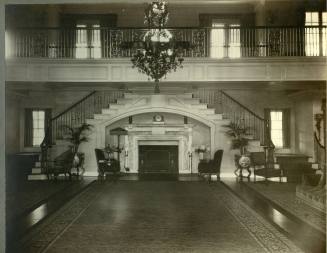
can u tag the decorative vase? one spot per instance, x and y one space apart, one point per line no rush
242 162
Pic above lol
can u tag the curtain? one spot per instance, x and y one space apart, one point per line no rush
267 119
105 20
47 126
68 25
28 131
286 128
110 21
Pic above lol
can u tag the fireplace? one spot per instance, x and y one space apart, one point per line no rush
169 143
161 159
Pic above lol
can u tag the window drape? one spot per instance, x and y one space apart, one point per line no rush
286 128
286 115
47 121
104 20
267 119
28 131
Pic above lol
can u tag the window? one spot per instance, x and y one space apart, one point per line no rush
217 41
225 39
279 122
276 128
38 126
234 41
88 40
35 124
324 34
312 34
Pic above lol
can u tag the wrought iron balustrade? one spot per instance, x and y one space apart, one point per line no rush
78 113
104 43
236 112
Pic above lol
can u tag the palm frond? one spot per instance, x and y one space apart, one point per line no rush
76 135
239 134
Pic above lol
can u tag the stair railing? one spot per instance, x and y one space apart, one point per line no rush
78 113
233 110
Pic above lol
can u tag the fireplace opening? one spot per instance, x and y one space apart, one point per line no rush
161 159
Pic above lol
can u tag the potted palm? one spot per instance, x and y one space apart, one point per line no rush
239 134
76 136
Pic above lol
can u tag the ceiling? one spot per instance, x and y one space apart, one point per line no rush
195 2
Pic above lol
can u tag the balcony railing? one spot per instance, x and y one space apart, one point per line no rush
104 43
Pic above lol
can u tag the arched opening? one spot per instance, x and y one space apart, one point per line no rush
170 137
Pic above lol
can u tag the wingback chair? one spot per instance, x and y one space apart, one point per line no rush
212 167
62 164
106 164
263 168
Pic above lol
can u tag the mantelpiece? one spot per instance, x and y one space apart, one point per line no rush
158 134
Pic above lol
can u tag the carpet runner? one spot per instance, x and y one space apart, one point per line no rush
156 216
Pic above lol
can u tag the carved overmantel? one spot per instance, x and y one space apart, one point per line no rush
161 133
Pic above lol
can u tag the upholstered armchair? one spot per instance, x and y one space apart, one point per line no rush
263 168
106 164
62 164
211 167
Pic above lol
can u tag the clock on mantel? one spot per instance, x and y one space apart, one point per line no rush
159 119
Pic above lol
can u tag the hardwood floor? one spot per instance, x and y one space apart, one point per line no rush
22 224
305 236
162 197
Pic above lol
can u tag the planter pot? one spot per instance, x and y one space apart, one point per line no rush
242 162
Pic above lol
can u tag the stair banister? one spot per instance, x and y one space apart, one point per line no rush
235 111
77 113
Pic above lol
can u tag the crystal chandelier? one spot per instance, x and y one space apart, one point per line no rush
158 52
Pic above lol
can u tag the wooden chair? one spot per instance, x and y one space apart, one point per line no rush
106 164
264 168
212 167
62 164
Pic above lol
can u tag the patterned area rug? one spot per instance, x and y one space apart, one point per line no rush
138 216
284 196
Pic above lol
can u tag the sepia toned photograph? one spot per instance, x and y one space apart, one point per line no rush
175 126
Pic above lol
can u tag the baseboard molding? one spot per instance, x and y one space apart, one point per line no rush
95 174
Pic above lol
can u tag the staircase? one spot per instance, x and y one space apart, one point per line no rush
36 173
132 101
215 106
